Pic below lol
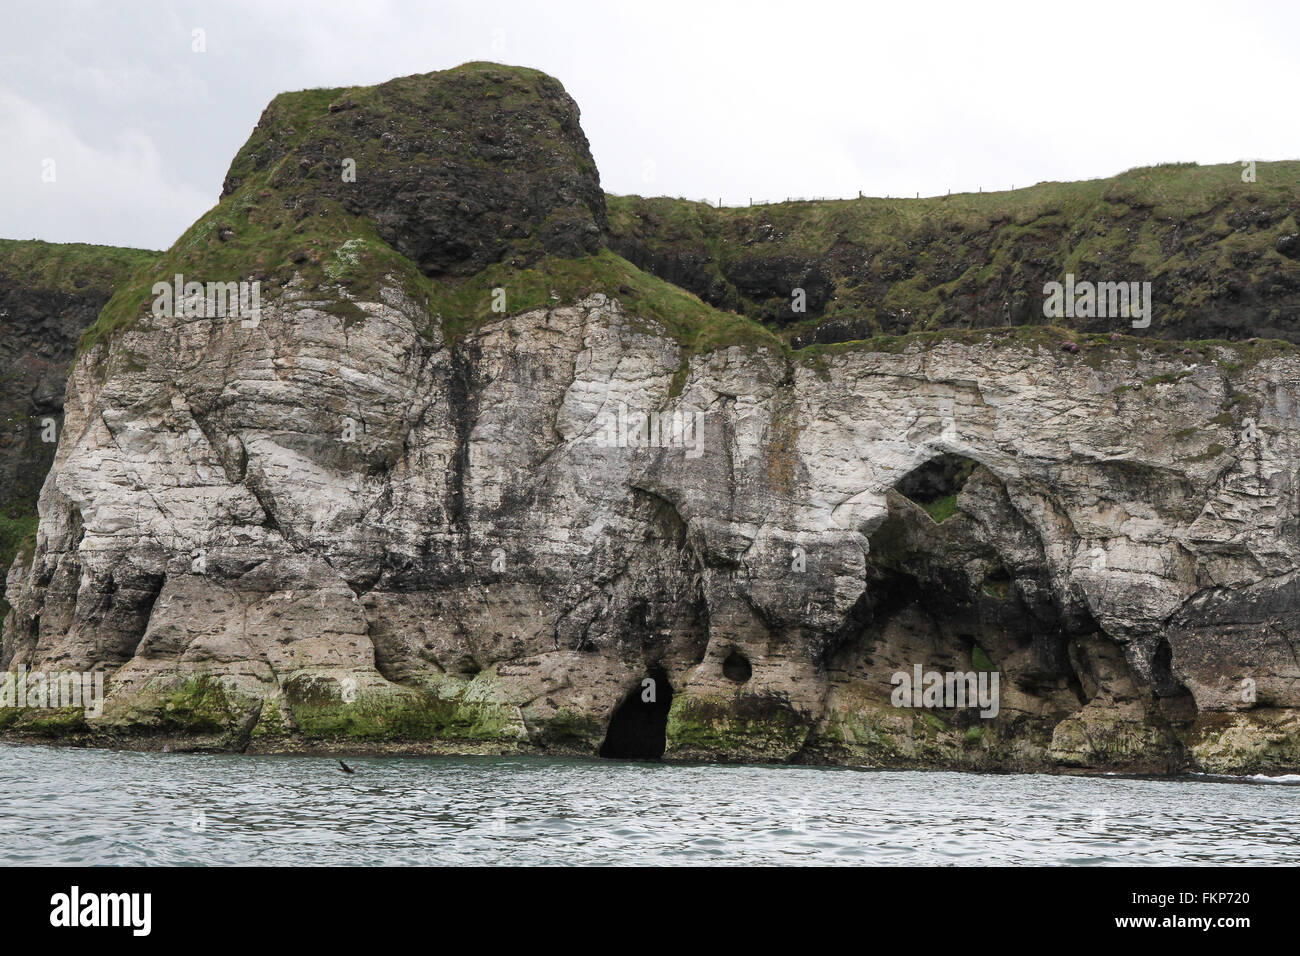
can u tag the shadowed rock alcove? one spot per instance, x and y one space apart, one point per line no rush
637 730
737 667
935 485
957 580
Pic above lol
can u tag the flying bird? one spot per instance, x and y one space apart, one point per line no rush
346 768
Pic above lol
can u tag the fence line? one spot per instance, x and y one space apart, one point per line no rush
789 199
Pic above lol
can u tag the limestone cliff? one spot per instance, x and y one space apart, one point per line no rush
387 516
49 293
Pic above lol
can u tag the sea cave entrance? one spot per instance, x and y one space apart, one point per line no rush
638 727
958 579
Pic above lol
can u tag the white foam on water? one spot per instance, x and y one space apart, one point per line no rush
1286 778
1292 778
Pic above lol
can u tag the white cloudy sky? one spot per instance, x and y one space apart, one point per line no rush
698 99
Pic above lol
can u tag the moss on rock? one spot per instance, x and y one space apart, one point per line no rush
749 727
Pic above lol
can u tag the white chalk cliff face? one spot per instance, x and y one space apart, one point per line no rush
341 533
385 518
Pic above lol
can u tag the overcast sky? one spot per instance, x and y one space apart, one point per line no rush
696 99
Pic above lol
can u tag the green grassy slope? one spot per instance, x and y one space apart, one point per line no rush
286 211
1207 241
69 267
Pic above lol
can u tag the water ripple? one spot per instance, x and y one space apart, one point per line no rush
65 806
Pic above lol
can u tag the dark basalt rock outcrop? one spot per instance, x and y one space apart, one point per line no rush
1220 254
455 171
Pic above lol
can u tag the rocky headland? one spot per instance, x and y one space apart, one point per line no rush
409 507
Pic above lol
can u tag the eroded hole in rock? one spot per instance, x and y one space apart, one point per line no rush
466 666
737 668
973 592
934 485
997 584
637 730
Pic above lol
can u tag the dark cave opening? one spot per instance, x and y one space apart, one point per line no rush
467 666
737 667
935 484
638 727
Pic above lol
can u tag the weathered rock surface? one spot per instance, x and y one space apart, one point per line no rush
488 164
479 566
49 294
365 522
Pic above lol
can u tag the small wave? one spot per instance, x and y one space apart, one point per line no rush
1291 779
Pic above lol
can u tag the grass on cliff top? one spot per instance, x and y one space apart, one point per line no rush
71 267
1171 191
261 232
467 304
329 248
340 257
916 255
274 224
404 103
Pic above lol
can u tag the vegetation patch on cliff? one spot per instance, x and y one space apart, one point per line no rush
397 714
17 536
71 267
746 727
326 187
1222 254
